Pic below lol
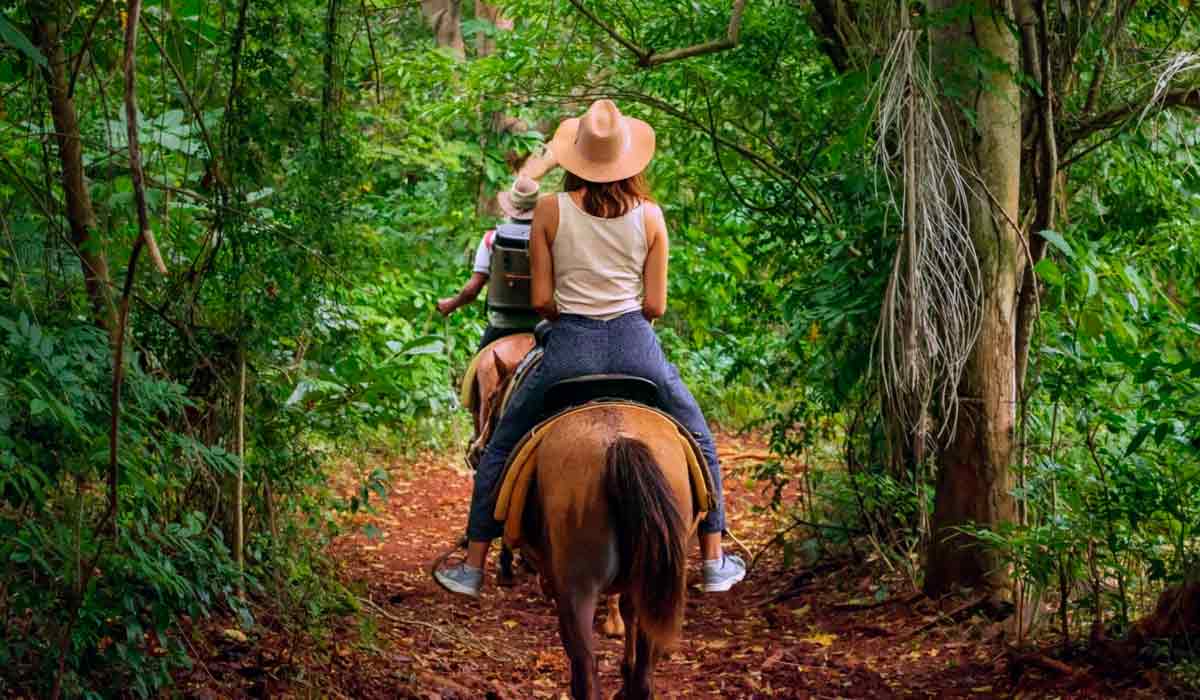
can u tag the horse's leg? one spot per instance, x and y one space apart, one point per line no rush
627 663
505 577
614 626
576 614
642 687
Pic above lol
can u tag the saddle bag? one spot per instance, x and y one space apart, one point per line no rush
509 281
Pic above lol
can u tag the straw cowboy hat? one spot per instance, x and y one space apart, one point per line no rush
603 145
519 201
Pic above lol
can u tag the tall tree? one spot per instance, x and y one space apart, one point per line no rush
445 16
80 215
331 93
1013 151
485 45
973 468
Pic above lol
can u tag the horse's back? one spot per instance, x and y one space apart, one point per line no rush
571 471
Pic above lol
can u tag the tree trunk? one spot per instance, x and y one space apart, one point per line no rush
445 16
331 92
973 472
484 44
1044 176
80 215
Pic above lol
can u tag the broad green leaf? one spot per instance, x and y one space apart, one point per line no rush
1055 239
1091 324
425 345
1138 439
1049 271
13 37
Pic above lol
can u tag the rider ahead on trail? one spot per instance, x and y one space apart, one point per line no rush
599 272
503 319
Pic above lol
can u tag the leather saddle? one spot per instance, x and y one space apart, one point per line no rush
576 395
577 391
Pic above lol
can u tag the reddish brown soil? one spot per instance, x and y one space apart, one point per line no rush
782 633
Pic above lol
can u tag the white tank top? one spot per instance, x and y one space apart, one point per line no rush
598 263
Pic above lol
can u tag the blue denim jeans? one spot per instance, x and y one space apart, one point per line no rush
580 345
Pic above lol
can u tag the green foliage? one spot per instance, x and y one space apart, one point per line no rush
167 559
1114 460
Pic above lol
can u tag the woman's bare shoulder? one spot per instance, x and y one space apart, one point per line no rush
653 216
546 204
545 216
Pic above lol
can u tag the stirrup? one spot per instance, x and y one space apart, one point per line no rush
460 546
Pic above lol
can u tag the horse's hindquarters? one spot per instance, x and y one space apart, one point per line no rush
578 538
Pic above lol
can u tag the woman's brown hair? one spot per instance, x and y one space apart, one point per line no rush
609 200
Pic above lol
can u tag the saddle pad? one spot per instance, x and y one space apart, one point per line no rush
518 472
466 390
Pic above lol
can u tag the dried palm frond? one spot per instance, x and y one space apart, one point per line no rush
931 309
1168 73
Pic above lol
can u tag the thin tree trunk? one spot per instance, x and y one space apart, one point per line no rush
330 94
374 55
239 494
973 470
137 175
145 239
80 215
484 44
1046 180
445 16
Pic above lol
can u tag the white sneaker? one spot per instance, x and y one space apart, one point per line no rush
721 574
460 578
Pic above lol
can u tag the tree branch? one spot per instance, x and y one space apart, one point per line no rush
642 54
730 41
648 58
135 149
85 47
1188 97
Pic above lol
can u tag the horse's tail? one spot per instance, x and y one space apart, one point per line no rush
651 537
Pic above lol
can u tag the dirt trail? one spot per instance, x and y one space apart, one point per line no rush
782 633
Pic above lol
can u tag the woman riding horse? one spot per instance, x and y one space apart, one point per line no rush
599 253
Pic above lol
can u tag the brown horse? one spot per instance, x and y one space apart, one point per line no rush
610 514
